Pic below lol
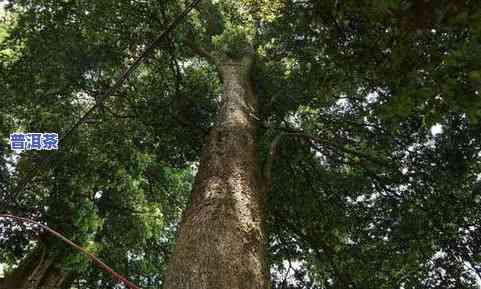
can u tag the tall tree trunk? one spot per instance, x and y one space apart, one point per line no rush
39 270
220 243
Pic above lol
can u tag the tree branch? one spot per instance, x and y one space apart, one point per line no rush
267 169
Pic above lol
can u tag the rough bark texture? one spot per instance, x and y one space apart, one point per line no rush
38 270
220 242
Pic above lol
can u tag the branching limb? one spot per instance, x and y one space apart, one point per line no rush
315 141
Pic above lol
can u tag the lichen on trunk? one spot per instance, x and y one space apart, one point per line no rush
220 241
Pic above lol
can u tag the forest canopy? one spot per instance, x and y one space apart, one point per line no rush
242 144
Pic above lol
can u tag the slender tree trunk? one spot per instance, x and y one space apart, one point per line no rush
39 270
220 242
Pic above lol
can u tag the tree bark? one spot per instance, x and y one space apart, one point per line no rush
39 270
220 242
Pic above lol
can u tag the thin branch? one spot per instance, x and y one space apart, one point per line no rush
267 171
300 133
